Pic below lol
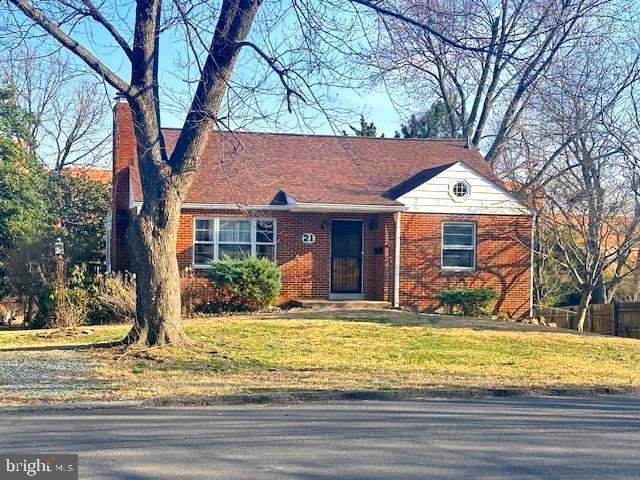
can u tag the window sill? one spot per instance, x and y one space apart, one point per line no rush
457 271
201 267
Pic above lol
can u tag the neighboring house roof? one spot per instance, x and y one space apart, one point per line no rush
271 169
92 173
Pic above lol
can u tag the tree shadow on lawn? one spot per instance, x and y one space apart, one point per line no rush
410 319
67 347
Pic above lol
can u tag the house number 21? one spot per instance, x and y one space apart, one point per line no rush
308 238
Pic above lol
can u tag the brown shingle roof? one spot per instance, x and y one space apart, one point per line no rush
91 173
252 168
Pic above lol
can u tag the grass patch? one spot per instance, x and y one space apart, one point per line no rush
249 354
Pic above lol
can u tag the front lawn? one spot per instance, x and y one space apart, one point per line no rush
249 354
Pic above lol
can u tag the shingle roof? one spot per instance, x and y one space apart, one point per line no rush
261 168
91 173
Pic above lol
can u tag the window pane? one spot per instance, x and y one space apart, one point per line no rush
266 251
458 229
460 189
203 254
204 231
264 231
458 240
236 231
264 237
204 236
202 224
233 251
457 258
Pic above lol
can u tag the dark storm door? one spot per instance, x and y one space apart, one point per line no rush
346 256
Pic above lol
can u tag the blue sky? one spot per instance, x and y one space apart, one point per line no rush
373 103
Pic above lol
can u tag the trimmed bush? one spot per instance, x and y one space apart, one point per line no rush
248 284
471 301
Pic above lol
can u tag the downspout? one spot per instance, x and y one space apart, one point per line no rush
531 266
396 263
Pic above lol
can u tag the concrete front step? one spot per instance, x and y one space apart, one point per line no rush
339 304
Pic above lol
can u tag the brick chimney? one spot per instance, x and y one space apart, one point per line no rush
124 154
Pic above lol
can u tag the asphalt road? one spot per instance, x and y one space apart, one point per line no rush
521 438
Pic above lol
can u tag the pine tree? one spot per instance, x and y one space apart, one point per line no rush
365 129
434 123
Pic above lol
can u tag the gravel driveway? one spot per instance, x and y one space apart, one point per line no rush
30 375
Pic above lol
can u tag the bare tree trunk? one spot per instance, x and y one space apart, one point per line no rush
585 299
165 181
153 234
28 318
600 292
158 309
636 280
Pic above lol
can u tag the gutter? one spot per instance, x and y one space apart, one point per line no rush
294 207
346 207
531 268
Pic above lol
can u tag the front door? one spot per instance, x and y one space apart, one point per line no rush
346 257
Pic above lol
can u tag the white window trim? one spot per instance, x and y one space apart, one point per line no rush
474 248
216 242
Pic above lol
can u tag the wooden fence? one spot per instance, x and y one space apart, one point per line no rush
627 317
621 319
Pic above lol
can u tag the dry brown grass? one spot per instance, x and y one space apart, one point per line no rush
249 355
285 352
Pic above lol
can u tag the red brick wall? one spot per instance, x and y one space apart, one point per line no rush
305 267
124 145
503 260
503 256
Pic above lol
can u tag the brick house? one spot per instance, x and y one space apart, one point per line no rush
344 217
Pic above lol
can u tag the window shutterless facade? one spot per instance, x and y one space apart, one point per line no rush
217 238
459 246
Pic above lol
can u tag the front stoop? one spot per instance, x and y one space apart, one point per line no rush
338 304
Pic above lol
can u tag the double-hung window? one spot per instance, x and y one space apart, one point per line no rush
458 246
220 238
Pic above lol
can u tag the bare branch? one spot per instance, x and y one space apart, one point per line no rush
50 27
95 13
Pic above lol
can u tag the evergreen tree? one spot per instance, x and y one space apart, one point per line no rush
23 207
432 124
79 206
365 129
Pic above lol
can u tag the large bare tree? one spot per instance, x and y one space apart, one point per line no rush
213 53
69 110
490 89
593 215
165 179
587 194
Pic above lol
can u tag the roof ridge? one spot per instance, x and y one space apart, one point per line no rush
326 135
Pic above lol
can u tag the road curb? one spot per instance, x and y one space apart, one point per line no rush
314 396
380 395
